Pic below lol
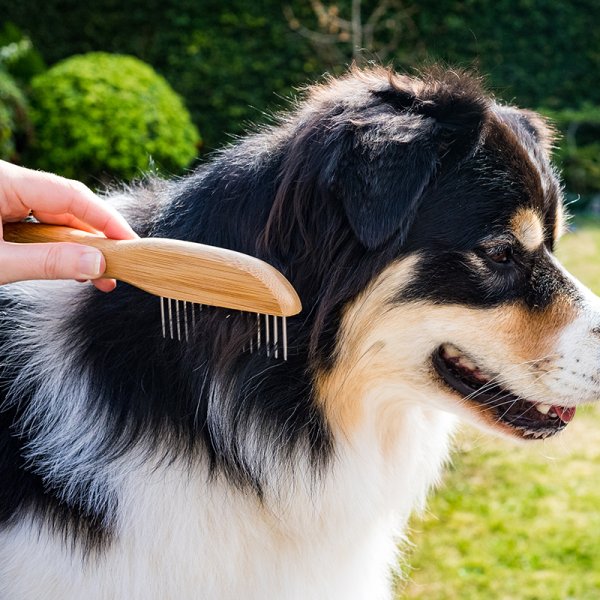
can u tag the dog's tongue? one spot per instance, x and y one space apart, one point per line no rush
564 414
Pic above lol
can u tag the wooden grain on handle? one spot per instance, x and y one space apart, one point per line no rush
179 270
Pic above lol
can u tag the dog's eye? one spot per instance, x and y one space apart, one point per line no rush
501 254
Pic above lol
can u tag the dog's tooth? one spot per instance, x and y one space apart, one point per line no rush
451 351
480 376
543 408
467 364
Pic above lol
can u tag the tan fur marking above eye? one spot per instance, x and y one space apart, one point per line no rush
526 224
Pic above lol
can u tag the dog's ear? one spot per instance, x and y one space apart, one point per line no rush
384 159
539 129
380 174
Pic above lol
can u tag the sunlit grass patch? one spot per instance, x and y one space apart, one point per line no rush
579 251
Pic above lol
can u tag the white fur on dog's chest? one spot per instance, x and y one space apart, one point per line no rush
183 537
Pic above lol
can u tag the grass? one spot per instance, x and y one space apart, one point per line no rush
514 522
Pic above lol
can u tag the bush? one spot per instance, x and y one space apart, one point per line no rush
578 155
100 115
14 125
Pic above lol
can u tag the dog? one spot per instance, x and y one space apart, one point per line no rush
416 217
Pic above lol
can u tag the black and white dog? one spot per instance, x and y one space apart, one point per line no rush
416 218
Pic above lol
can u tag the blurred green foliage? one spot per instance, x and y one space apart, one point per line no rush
227 59
232 59
534 52
235 62
578 151
18 57
106 115
14 123
16 54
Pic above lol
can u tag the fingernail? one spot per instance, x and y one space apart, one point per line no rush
90 264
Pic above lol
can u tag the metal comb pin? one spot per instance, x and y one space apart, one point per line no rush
175 322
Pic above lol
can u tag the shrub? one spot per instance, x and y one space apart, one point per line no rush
102 115
14 125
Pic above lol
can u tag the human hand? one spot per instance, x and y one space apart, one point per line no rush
55 200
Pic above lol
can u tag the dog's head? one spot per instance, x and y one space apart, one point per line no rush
416 218
437 212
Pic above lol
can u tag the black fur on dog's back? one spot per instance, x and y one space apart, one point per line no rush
328 196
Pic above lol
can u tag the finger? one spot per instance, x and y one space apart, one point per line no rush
105 285
20 262
63 219
49 193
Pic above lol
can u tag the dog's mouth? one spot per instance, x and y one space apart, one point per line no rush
526 418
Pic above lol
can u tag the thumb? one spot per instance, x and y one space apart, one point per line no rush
21 262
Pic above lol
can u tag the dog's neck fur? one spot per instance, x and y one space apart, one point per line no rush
180 531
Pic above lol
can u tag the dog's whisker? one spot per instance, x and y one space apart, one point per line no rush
501 378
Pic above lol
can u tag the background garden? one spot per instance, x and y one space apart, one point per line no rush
108 90
235 62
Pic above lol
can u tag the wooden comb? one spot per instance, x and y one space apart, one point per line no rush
187 273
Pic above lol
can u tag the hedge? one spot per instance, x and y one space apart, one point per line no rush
232 60
578 153
101 116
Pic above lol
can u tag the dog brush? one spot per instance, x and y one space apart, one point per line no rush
186 276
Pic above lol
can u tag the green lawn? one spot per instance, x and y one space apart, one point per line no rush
513 522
